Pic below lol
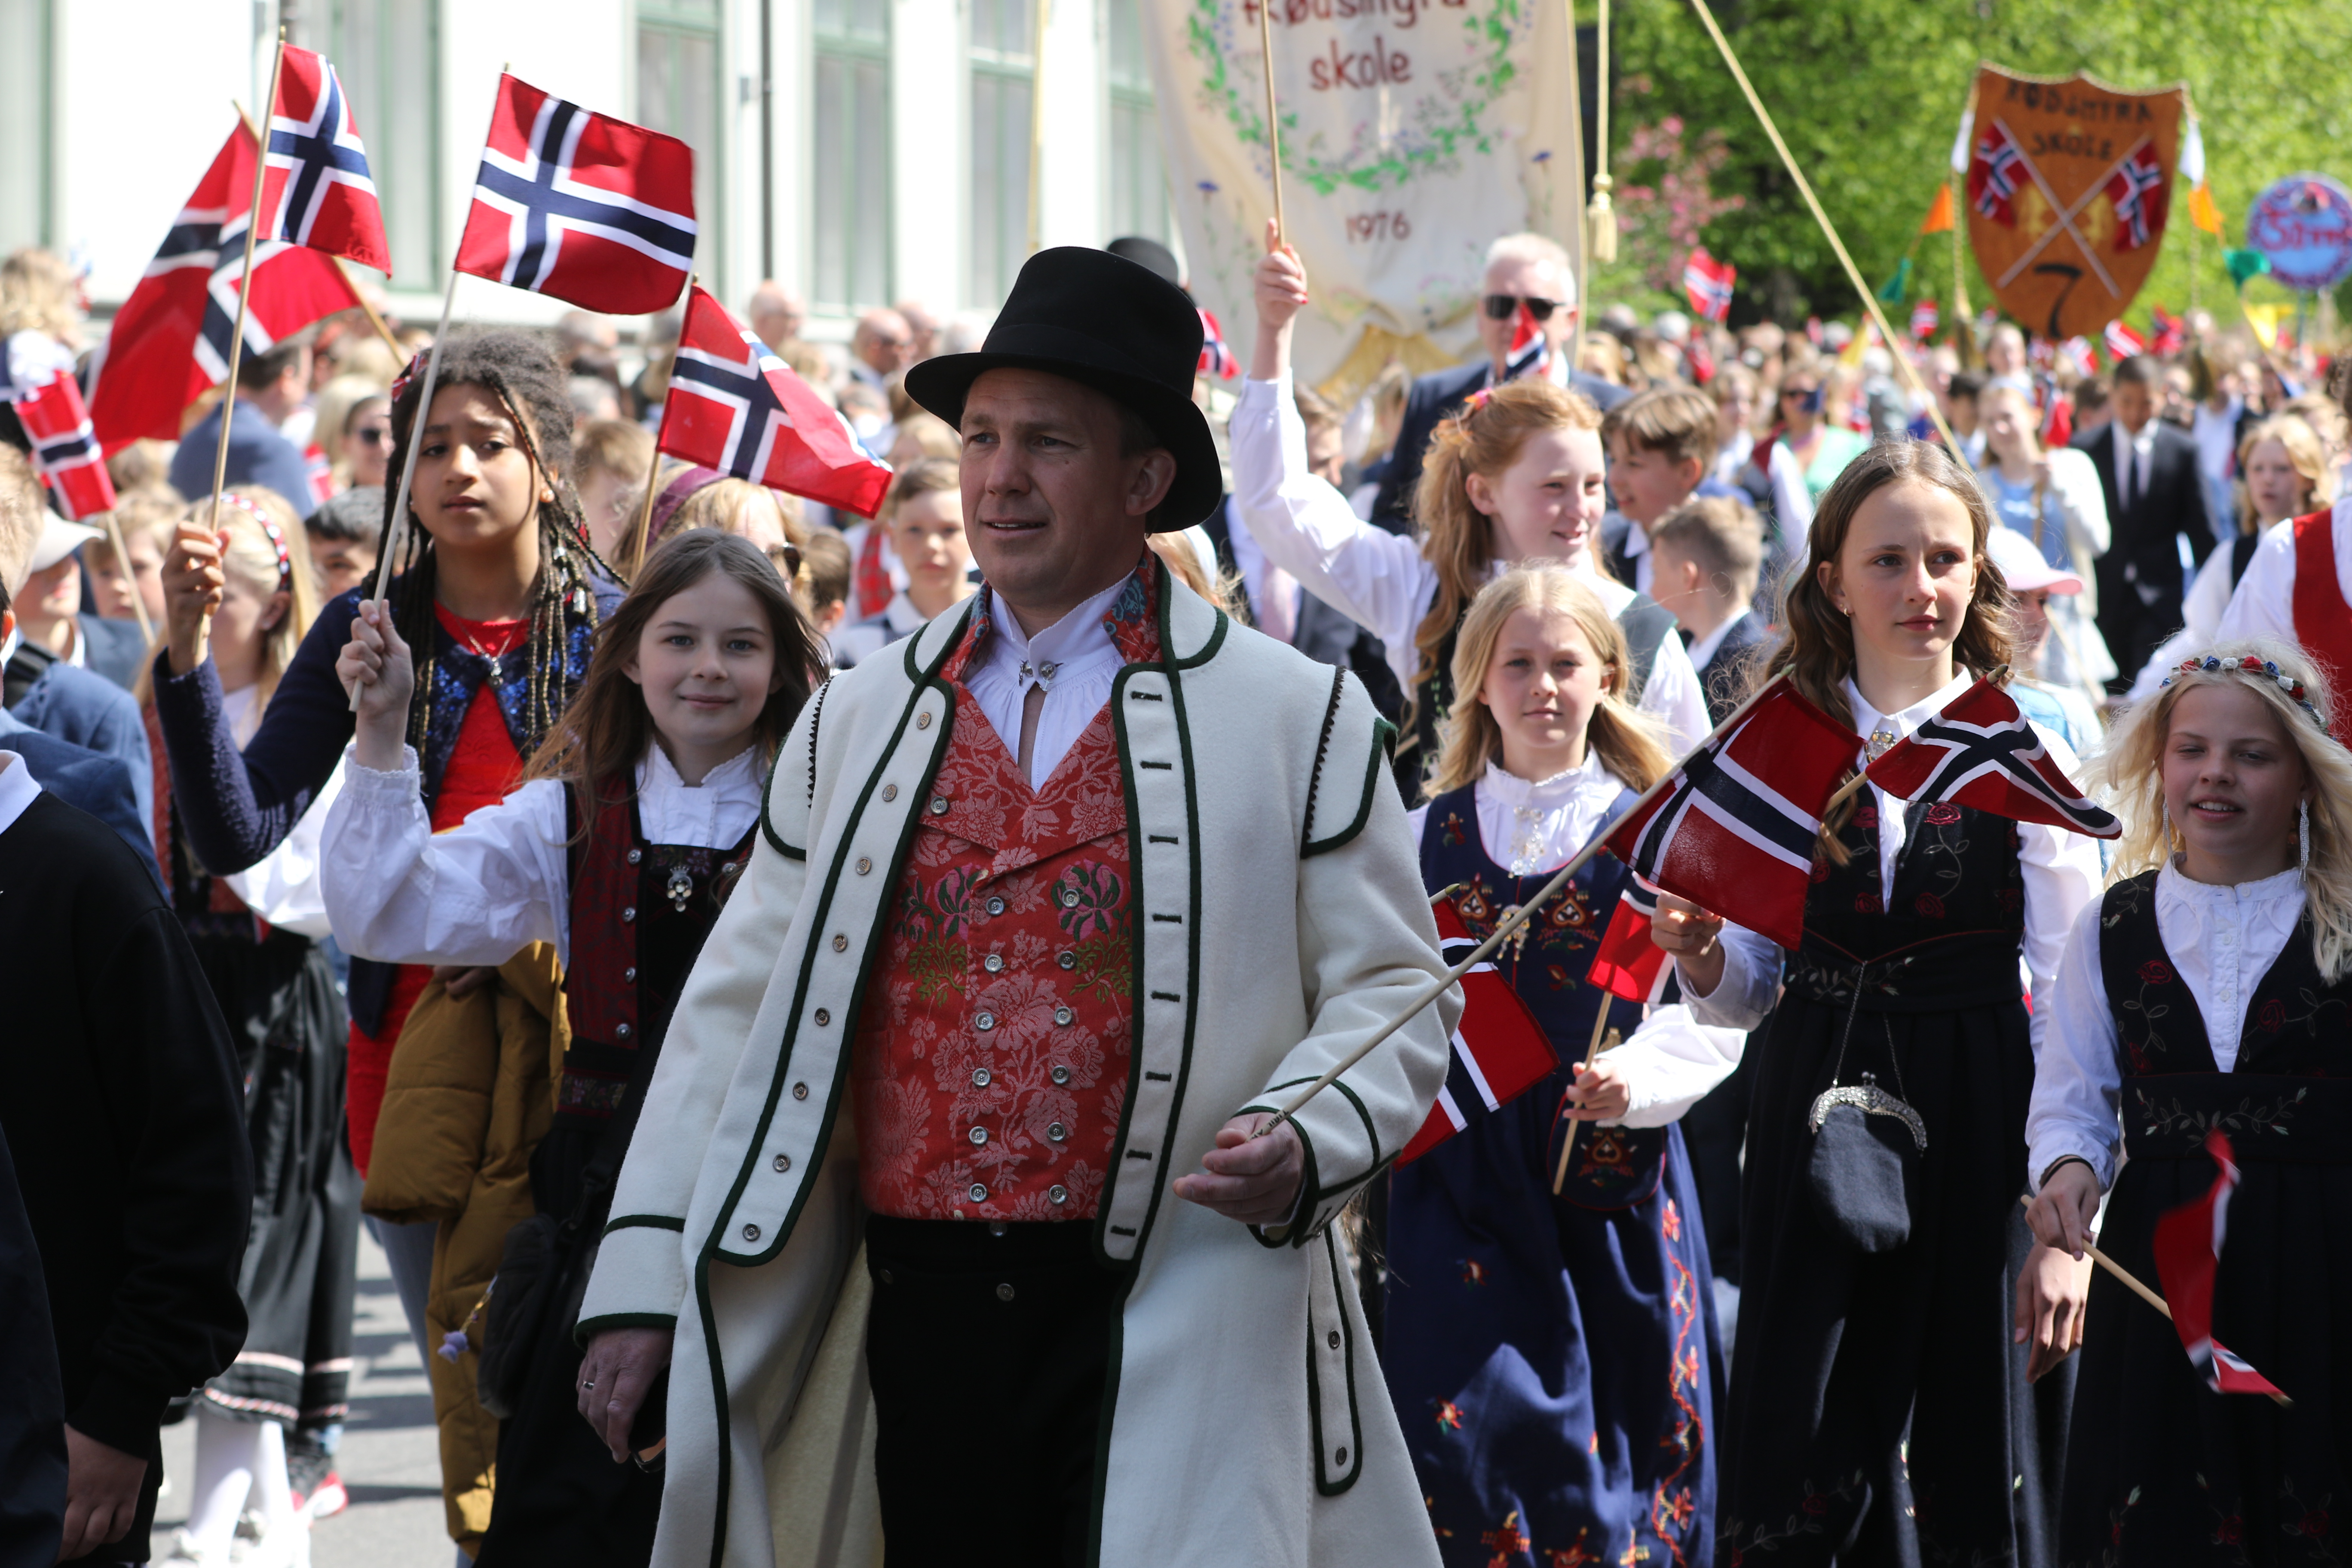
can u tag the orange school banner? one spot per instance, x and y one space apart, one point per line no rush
2069 185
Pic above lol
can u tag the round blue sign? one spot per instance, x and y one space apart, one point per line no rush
2303 224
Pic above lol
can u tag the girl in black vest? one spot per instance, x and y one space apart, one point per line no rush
2211 988
1881 1406
619 850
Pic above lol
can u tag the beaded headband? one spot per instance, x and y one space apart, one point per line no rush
2248 664
271 532
408 373
1477 400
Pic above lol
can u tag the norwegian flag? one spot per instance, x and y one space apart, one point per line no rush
319 471
1707 283
1216 359
2078 352
170 342
65 449
1733 828
1981 752
2122 342
316 191
1499 1049
2187 1256
733 405
591 209
2171 332
1814 330
1628 963
1530 352
1925 318
2137 189
1994 169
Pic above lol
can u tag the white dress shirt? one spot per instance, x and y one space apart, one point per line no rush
2221 941
17 788
1533 829
1074 659
399 893
2263 605
864 639
1637 550
1380 580
2133 455
2205 607
2061 872
1702 649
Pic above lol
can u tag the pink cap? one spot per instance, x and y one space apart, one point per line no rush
2023 568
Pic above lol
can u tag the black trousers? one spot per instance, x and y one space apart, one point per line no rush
988 1348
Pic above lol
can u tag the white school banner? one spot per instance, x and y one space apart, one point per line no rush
1414 134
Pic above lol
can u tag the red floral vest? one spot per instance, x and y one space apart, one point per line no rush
991 1062
2323 622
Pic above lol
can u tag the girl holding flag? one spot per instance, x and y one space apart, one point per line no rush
1880 1407
2209 990
1550 1339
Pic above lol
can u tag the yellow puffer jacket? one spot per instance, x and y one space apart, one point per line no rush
469 1095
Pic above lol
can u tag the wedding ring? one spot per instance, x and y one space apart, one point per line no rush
587 1383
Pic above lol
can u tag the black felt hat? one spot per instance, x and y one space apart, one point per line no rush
1111 325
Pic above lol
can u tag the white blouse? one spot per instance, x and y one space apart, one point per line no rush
1673 1059
399 893
2221 941
2263 603
1380 580
2061 872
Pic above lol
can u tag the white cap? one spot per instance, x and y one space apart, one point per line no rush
59 539
2022 567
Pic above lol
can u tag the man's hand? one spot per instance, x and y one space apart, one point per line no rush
101 1494
1601 1093
2052 1289
1689 932
621 1365
1251 1179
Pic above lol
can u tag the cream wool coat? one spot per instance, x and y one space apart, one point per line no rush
1280 919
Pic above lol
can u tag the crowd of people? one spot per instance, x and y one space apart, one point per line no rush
400 891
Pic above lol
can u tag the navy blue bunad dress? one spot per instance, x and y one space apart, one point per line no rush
1553 1361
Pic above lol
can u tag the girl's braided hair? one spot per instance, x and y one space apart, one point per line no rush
518 368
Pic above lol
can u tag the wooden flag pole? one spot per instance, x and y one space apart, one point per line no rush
1273 125
1513 922
236 342
641 531
1805 189
1591 1052
122 560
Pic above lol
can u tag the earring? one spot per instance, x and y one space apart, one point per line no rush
2303 836
2171 844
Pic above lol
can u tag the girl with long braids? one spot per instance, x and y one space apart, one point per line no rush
1882 1404
497 594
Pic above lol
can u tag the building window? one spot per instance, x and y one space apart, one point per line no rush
679 93
384 54
1004 69
850 149
1138 180
24 123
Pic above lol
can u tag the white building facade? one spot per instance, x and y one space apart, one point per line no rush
861 151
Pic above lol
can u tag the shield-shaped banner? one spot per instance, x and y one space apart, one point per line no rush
2069 184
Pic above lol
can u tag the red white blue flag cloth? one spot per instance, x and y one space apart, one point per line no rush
1530 351
2137 191
2171 331
1981 752
1499 1050
2122 342
733 405
1995 167
65 449
591 209
2188 1255
1925 318
1216 359
1707 283
1733 828
316 191
170 342
1628 963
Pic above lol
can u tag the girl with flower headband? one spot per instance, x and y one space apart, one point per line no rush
2211 987
255 935
1518 474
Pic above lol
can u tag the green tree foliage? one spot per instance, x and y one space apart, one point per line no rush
1869 93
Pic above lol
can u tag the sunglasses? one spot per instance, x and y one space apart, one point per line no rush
1503 307
786 559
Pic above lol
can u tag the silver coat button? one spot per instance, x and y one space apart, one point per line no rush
629 914
979 1136
750 1233
1069 897
983 1021
623 1032
994 963
1056 1132
1005 1292
823 1017
1334 1340
1057 1193
1068 961
1060 1073
889 792
923 720
629 975
978 1194
636 856
783 1164
840 942
799 1091
980 1078
1063 1015
939 805
864 864
996 906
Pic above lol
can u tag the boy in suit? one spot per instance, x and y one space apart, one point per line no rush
1705 555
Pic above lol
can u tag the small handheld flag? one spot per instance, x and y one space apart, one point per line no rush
1924 320
65 449
316 191
591 209
1707 284
1216 359
1627 963
733 405
2171 331
1980 752
2188 1257
2122 342
1499 1050
1530 351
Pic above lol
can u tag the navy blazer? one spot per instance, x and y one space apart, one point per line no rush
90 781
1724 681
94 714
112 648
1436 396
258 455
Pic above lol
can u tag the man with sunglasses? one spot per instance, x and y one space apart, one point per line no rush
1521 270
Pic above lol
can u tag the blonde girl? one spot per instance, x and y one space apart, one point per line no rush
1505 1302
2053 499
2208 990
1880 1396
1518 474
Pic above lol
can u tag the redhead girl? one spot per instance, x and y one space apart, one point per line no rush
1882 1408
2209 988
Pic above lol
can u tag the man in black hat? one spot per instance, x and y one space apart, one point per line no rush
1056 899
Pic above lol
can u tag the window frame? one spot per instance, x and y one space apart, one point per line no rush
1003 68
839 147
382 90
705 20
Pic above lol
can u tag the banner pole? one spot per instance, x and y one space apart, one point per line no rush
1273 125
236 340
1805 189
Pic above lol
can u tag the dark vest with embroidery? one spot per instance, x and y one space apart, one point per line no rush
1948 935
1645 623
1615 1166
2289 1097
640 912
